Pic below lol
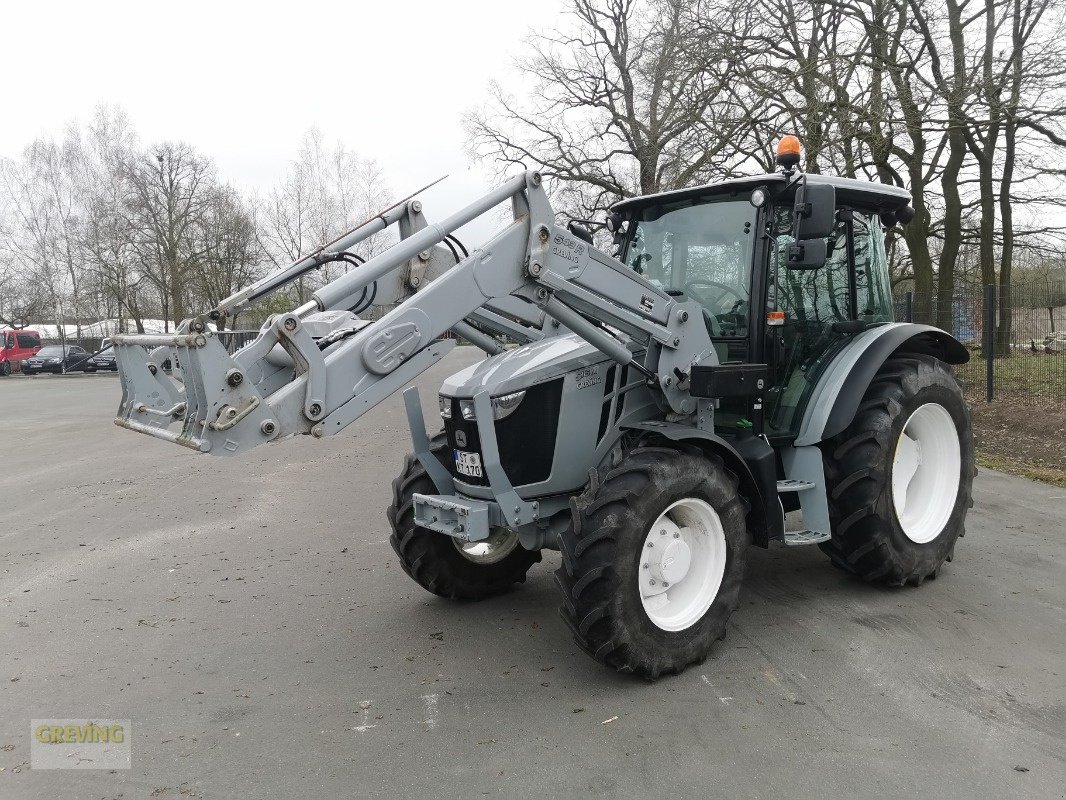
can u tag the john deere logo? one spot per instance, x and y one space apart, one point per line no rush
460 439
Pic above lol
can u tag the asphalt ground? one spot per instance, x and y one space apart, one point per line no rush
249 618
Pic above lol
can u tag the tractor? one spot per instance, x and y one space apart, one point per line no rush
651 412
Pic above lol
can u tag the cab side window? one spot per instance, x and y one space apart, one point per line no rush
26 340
818 296
872 288
823 295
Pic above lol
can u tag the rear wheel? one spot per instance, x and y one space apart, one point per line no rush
441 564
900 477
652 561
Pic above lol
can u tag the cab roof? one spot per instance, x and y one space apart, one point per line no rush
851 192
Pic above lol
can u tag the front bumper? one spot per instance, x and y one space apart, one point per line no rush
462 517
459 517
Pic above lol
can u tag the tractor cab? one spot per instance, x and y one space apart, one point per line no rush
788 267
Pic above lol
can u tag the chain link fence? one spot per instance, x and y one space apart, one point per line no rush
1016 338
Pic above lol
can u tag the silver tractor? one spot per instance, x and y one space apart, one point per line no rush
651 414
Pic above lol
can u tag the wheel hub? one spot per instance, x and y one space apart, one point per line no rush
498 546
670 563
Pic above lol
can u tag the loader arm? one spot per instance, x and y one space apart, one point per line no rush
319 368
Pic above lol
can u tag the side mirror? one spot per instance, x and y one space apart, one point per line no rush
807 254
815 211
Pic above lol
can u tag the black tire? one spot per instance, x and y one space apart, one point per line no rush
868 540
5 368
432 559
602 552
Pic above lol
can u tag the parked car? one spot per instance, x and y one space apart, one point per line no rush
16 347
105 360
53 358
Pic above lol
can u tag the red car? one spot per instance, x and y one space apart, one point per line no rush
16 347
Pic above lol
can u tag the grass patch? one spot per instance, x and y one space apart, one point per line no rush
1022 439
1021 377
1056 477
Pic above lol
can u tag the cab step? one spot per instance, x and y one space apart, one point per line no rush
790 485
799 538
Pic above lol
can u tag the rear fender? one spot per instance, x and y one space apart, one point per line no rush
835 400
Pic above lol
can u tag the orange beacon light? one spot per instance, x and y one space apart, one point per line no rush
788 152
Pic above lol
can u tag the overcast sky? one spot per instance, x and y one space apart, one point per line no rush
244 81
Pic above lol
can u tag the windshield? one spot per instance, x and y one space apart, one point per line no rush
703 250
53 351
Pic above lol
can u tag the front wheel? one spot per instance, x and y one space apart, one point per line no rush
653 560
900 477
5 368
443 565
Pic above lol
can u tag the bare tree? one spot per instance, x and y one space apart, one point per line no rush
629 99
97 225
106 149
959 101
326 192
226 249
170 186
20 297
37 239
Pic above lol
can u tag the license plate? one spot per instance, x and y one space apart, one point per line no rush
468 464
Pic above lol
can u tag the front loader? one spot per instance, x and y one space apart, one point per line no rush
665 406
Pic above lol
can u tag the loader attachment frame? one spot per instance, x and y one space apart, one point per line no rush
289 381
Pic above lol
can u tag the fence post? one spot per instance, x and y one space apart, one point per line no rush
990 341
910 306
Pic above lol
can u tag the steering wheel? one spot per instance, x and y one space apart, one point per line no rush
725 290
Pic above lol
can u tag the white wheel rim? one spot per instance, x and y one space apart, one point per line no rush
488 551
682 562
926 471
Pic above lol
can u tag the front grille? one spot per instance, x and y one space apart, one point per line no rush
462 435
526 438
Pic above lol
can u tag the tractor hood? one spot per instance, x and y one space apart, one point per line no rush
523 367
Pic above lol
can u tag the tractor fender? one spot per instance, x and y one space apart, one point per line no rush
836 397
765 516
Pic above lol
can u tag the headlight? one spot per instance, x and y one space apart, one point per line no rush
504 406
53 361
445 404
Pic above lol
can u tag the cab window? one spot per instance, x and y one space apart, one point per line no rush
703 250
815 302
823 295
